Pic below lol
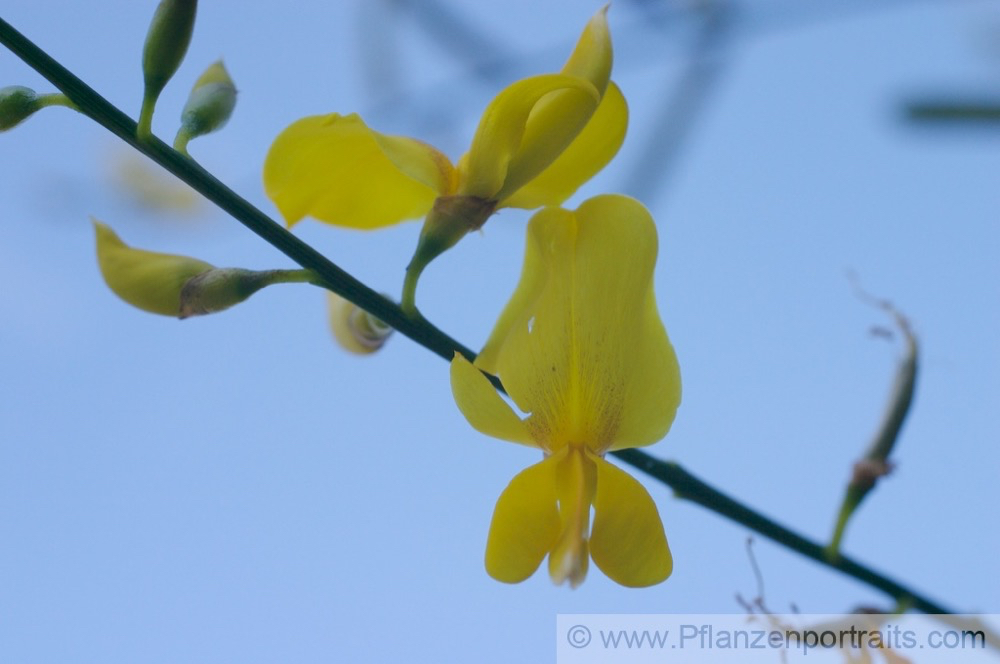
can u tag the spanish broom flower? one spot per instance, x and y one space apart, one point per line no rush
537 142
147 280
580 348
180 286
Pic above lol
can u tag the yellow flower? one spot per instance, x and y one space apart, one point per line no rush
581 349
173 285
537 142
148 280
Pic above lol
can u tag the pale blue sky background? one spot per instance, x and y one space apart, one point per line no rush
237 489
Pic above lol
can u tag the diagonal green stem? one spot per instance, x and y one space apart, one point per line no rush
93 105
689 487
416 328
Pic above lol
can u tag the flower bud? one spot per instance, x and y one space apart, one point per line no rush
179 286
209 105
148 280
17 103
356 330
166 44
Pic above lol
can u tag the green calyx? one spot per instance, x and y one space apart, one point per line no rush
447 223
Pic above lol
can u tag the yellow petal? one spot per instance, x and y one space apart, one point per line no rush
333 168
517 311
576 478
558 118
148 280
483 406
654 386
553 124
502 137
525 524
627 541
420 161
592 57
589 152
519 350
581 346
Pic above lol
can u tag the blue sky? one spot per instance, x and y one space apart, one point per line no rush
235 488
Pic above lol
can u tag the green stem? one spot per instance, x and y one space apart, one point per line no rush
689 487
269 277
852 498
56 99
144 129
408 301
416 328
181 141
332 277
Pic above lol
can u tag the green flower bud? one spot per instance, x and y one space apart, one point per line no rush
17 103
166 43
209 105
356 330
148 280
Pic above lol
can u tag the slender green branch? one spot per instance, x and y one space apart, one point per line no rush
689 487
333 277
418 329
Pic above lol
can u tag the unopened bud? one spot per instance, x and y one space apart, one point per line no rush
147 280
166 44
356 330
209 105
17 103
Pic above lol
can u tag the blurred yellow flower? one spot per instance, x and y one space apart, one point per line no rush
354 329
581 349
